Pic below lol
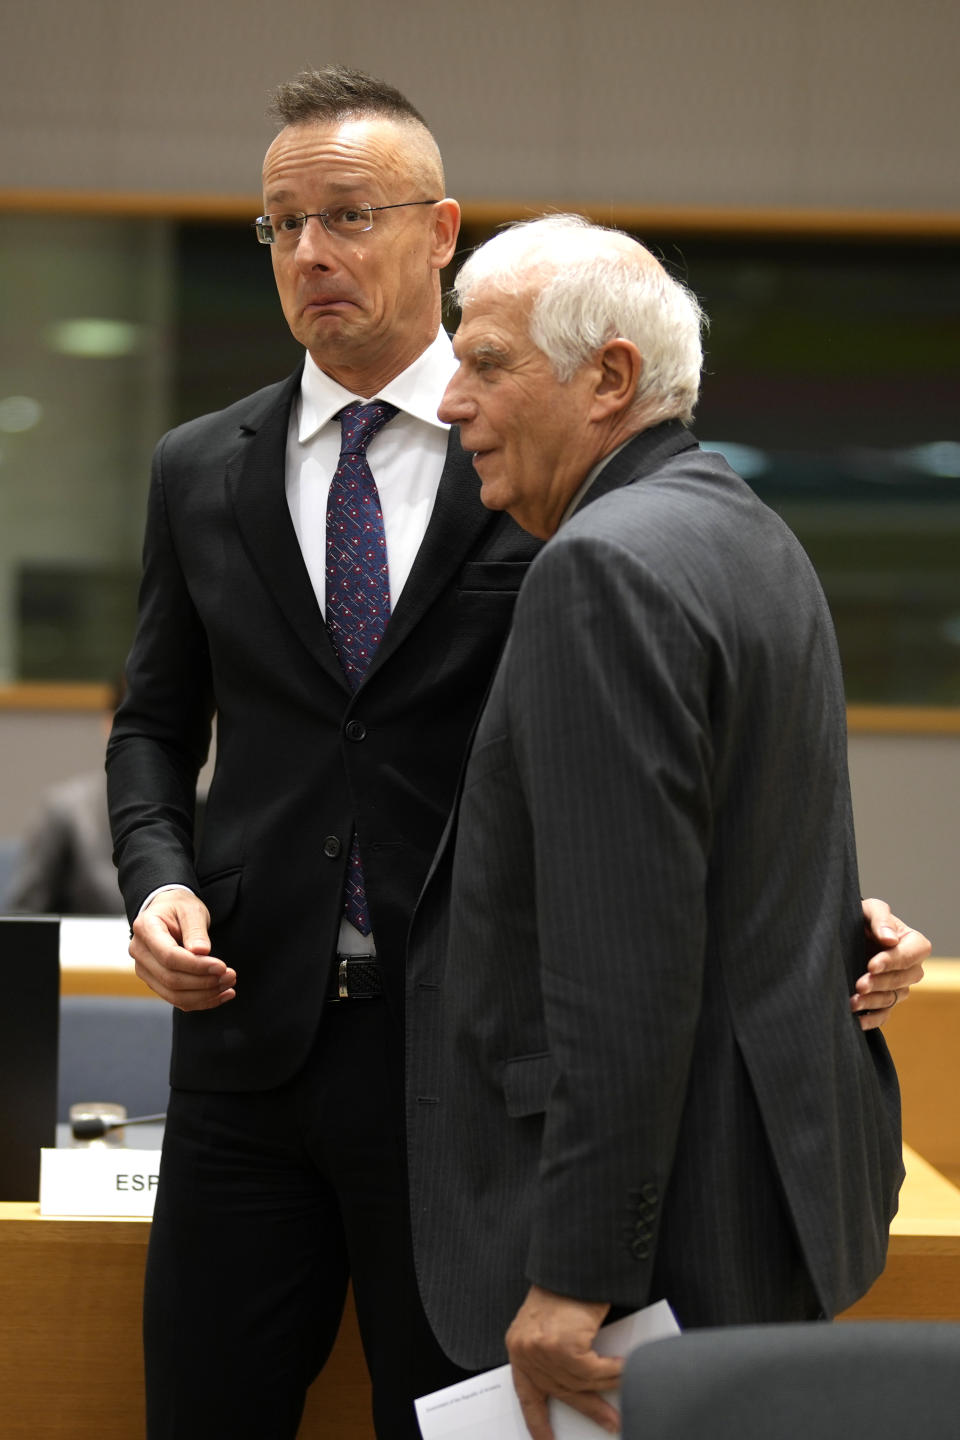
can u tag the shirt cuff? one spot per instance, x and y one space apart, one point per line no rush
159 891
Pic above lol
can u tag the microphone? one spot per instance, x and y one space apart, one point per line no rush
94 1127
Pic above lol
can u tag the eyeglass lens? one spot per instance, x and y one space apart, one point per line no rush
285 228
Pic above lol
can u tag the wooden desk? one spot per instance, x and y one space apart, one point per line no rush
70 1362
921 1280
94 959
70 1359
924 1039
70 1291
104 980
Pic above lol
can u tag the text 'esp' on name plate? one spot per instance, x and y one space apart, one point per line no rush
99 1181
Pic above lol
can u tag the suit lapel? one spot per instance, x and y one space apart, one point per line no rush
257 490
255 484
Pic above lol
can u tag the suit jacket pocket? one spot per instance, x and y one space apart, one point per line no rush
219 893
487 575
527 1082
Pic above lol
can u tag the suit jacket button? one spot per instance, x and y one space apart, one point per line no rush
355 730
641 1251
331 847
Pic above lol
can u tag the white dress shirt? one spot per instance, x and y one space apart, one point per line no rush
406 459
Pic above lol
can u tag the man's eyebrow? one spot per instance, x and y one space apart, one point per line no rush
488 350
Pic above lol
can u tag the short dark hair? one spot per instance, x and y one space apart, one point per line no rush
335 93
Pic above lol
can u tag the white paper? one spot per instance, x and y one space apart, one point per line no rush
487 1406
94 942
99 1180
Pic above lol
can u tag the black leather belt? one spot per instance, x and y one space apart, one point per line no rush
355 977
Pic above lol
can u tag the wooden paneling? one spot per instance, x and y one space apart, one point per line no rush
52 696
868 719
781 222
903 719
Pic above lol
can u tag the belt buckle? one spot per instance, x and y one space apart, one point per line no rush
343 988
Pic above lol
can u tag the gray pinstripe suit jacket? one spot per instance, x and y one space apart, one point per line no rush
632 1070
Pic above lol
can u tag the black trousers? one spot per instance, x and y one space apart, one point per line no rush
267 1204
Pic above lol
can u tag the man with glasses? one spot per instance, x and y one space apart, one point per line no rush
319 572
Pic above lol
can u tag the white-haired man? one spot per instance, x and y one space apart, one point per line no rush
633 1071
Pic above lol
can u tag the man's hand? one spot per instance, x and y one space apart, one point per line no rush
171 948
550 1344
891 972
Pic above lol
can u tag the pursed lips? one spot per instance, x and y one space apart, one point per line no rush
327 302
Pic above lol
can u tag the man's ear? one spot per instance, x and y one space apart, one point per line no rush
619 366
446 228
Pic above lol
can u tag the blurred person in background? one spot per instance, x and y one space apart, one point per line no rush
64 865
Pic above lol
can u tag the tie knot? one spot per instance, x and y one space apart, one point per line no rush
359 423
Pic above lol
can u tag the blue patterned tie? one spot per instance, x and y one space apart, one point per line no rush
358 581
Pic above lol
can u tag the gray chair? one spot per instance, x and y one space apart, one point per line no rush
879 1380
114 1048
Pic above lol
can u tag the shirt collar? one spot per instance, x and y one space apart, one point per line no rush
591 477
417 390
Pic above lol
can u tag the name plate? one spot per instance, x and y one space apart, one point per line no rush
103 1180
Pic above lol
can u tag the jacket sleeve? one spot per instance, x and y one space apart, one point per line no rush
609 714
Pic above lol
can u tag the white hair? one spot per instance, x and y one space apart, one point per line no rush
589 285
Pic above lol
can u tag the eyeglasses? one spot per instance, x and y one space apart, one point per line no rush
286 228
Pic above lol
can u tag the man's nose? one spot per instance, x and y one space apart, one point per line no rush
454 406
315 245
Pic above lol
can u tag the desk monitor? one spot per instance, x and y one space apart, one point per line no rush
29 1023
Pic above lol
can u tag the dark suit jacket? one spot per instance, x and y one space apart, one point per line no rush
632 1067
229 624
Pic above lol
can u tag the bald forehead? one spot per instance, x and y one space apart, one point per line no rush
630 249
575 245
394 149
